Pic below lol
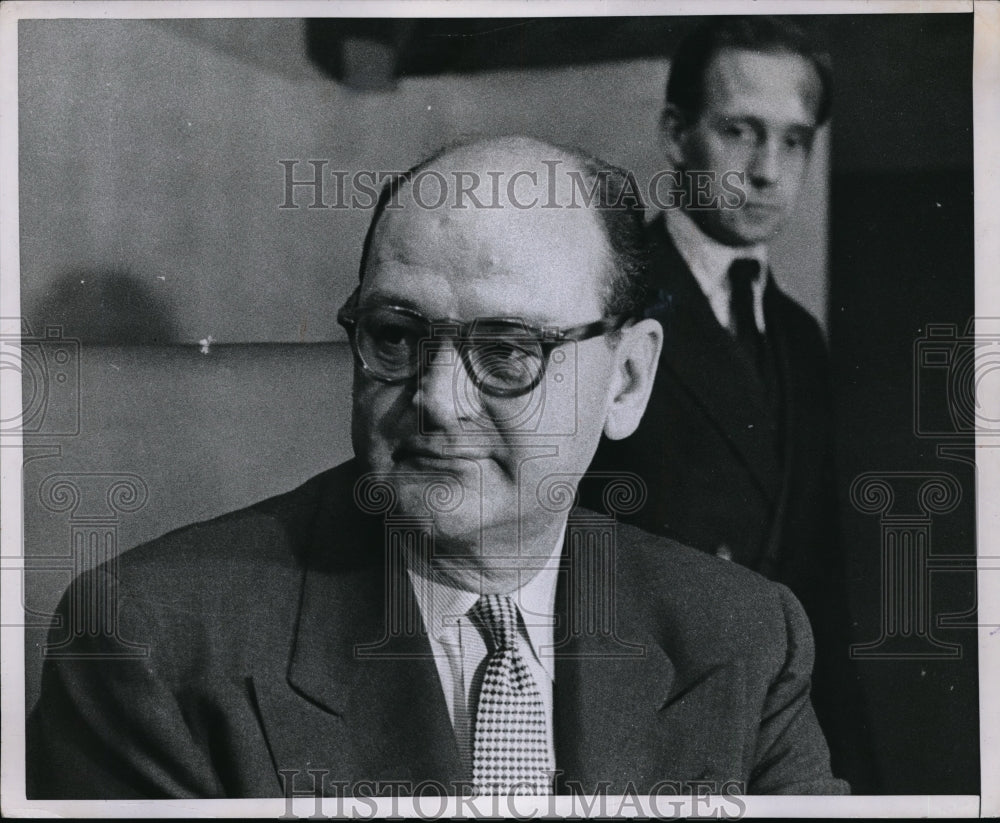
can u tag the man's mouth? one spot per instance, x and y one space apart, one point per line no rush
439 456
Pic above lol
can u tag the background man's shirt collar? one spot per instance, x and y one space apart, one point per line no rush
709 261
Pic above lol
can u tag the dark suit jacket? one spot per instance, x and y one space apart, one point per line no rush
720 479
258 622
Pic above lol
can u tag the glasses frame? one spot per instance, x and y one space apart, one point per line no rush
459 333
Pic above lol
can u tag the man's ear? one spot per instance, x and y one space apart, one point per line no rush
636 357
673 131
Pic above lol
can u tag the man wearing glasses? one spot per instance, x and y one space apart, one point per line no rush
435 614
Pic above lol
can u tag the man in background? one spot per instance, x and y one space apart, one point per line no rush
736 446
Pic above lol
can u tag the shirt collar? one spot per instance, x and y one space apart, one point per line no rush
708 259
442 604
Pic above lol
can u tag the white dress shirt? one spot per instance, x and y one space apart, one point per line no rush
709 261
459 648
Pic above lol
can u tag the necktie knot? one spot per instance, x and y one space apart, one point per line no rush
497 615
743 273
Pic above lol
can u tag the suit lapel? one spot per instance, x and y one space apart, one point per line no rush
782 352
624 712
605 713
704 359
801 388
361 700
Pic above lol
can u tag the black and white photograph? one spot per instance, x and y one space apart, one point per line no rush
496 409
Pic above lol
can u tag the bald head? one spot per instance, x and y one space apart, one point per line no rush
529 191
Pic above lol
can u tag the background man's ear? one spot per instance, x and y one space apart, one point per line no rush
637 355
673 126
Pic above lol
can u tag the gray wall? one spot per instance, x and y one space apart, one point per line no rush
150 181
198 434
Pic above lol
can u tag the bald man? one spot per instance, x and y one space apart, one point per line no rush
434 615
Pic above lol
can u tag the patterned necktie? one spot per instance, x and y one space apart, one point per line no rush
510 745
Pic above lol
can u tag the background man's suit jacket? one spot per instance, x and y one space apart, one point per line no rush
720 480
268 650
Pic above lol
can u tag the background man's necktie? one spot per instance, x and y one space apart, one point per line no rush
742 274
510 745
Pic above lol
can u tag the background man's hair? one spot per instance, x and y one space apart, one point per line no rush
766 35
621 215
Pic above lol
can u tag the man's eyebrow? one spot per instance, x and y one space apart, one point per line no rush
379 297
760 123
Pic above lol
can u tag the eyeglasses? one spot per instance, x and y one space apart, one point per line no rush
504 356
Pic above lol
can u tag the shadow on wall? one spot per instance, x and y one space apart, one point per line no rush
107 307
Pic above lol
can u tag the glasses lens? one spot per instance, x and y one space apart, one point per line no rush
505 359
389 343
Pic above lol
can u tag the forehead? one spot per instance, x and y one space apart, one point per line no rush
783 87
545 264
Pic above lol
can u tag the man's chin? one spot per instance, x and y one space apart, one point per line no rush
435 495
461 518
755 232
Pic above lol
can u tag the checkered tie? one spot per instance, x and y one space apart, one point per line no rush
510 746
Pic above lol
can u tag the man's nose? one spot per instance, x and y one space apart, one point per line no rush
765 166
438 381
